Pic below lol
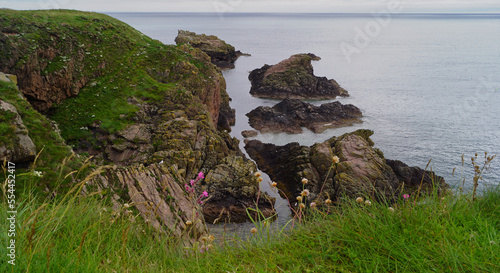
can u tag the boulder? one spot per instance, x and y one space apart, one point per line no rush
249 133
291 115
293 78
361 170
221 54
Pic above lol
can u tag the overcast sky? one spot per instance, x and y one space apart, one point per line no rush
257 5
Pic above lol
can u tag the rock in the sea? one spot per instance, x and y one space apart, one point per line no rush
222 54
291 115
361 170
249 133
293 78
15 143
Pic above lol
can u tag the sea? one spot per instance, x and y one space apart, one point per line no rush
428 84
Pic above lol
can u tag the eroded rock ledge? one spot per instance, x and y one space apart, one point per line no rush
361 171
291 115
293 78
222 54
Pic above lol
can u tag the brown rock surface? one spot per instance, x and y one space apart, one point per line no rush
291 115
293 78
361 171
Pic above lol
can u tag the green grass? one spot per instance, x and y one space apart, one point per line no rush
52 148
435 234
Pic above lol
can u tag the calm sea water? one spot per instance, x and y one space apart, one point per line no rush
428 85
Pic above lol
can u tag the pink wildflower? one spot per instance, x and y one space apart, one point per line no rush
201 176
406 196
205 194
192 182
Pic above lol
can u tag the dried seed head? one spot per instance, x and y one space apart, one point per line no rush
253 230
360 200
304 181
328 201
335 159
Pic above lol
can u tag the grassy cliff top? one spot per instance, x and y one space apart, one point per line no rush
105 61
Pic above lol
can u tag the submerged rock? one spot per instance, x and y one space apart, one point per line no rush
293 78
361 170
291 115
222 54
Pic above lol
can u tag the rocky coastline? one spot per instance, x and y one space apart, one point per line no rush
152 116
150 121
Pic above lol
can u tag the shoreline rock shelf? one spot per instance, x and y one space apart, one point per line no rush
291 115
293 78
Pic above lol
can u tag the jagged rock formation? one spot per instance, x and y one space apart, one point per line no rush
291 115
236 189
361 171
293 78
126 99
16 145
222 54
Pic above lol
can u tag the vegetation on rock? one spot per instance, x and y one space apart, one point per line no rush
117 95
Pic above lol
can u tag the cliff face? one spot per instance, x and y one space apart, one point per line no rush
124 98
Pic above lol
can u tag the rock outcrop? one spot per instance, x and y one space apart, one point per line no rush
133 103
15 143
222 54
293 78
235 189
361 170
291 115
155 193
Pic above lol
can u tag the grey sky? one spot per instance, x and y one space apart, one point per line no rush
258 5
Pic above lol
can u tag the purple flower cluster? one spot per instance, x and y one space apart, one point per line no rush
190 188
